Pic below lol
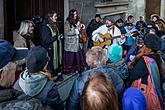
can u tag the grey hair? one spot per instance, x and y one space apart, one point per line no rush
23 30
98 55
7 67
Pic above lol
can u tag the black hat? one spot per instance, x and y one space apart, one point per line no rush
36 59
9 53
153 42
97 15
151 24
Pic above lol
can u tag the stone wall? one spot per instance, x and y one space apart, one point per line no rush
136 8
162 14
1 20
85 9
88 8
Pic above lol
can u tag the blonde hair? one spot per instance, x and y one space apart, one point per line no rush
23 30
99 94
98 55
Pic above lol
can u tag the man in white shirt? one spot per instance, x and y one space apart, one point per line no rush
108 27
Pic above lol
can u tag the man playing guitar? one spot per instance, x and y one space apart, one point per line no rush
108 27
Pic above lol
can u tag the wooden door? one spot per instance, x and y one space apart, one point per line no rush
152 7
17 10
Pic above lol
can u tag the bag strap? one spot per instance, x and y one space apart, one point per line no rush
154 75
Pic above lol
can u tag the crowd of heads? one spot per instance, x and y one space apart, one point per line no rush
99 92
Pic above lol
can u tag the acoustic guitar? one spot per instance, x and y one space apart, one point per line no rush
108 38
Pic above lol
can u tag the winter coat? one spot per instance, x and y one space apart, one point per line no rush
38 86
73 100
71 42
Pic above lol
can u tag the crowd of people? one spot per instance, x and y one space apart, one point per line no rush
123 68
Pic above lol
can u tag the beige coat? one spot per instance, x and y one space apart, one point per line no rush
20 42
71 43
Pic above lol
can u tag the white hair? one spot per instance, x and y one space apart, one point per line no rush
23 30
7 67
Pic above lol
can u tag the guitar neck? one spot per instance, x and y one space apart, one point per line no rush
133 33
115 37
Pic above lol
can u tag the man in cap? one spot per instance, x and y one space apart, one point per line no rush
129 31
108 27
8 56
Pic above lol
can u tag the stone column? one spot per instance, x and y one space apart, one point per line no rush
1 20
66 9
162 10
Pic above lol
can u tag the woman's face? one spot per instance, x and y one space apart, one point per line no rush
154 19
119 24
31 28
54 17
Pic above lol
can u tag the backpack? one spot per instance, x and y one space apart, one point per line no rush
152 90
25 104
120 68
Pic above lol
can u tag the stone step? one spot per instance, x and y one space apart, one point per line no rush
65 86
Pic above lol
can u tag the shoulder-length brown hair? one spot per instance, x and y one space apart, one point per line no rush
71 19
99 94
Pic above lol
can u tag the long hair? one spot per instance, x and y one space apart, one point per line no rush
71 19
23 30
99 94
98 56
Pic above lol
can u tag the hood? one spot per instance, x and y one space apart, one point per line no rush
133 99
32 83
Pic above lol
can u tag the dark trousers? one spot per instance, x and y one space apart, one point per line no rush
50 64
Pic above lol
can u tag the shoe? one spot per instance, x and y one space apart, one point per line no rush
59 78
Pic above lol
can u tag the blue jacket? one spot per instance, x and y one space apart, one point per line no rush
73 100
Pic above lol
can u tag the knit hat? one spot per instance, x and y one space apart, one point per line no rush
36 59
110 18
133 99
114 52
9 53
152 41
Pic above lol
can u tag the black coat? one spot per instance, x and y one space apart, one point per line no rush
93 25
46 38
